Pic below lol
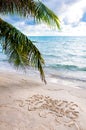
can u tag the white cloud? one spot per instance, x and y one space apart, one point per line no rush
70 13
74 13
34 30
42 29
60 6
79 30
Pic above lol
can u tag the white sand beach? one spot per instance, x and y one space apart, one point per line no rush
26 103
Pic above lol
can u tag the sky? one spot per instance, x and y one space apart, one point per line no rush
72 14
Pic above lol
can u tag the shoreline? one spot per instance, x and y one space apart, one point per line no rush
30 104
71 77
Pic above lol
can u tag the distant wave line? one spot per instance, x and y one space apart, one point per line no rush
67 67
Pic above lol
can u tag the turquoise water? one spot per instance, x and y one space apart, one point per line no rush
65 57
63 52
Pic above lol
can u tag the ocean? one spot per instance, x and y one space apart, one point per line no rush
65 57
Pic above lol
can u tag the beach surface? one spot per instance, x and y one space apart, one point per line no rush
26 103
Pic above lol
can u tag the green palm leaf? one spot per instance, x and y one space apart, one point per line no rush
25 8
20 49
17 46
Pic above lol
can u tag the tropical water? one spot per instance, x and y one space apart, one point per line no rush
65 57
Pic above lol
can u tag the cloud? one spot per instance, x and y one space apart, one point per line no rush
72 14
69 30
29 27
34 30
59 6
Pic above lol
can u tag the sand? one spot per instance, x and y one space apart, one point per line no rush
26 103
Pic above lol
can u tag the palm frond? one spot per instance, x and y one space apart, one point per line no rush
20 50
43 13
34 8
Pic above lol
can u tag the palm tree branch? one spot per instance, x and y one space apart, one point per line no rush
19 49
26 8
